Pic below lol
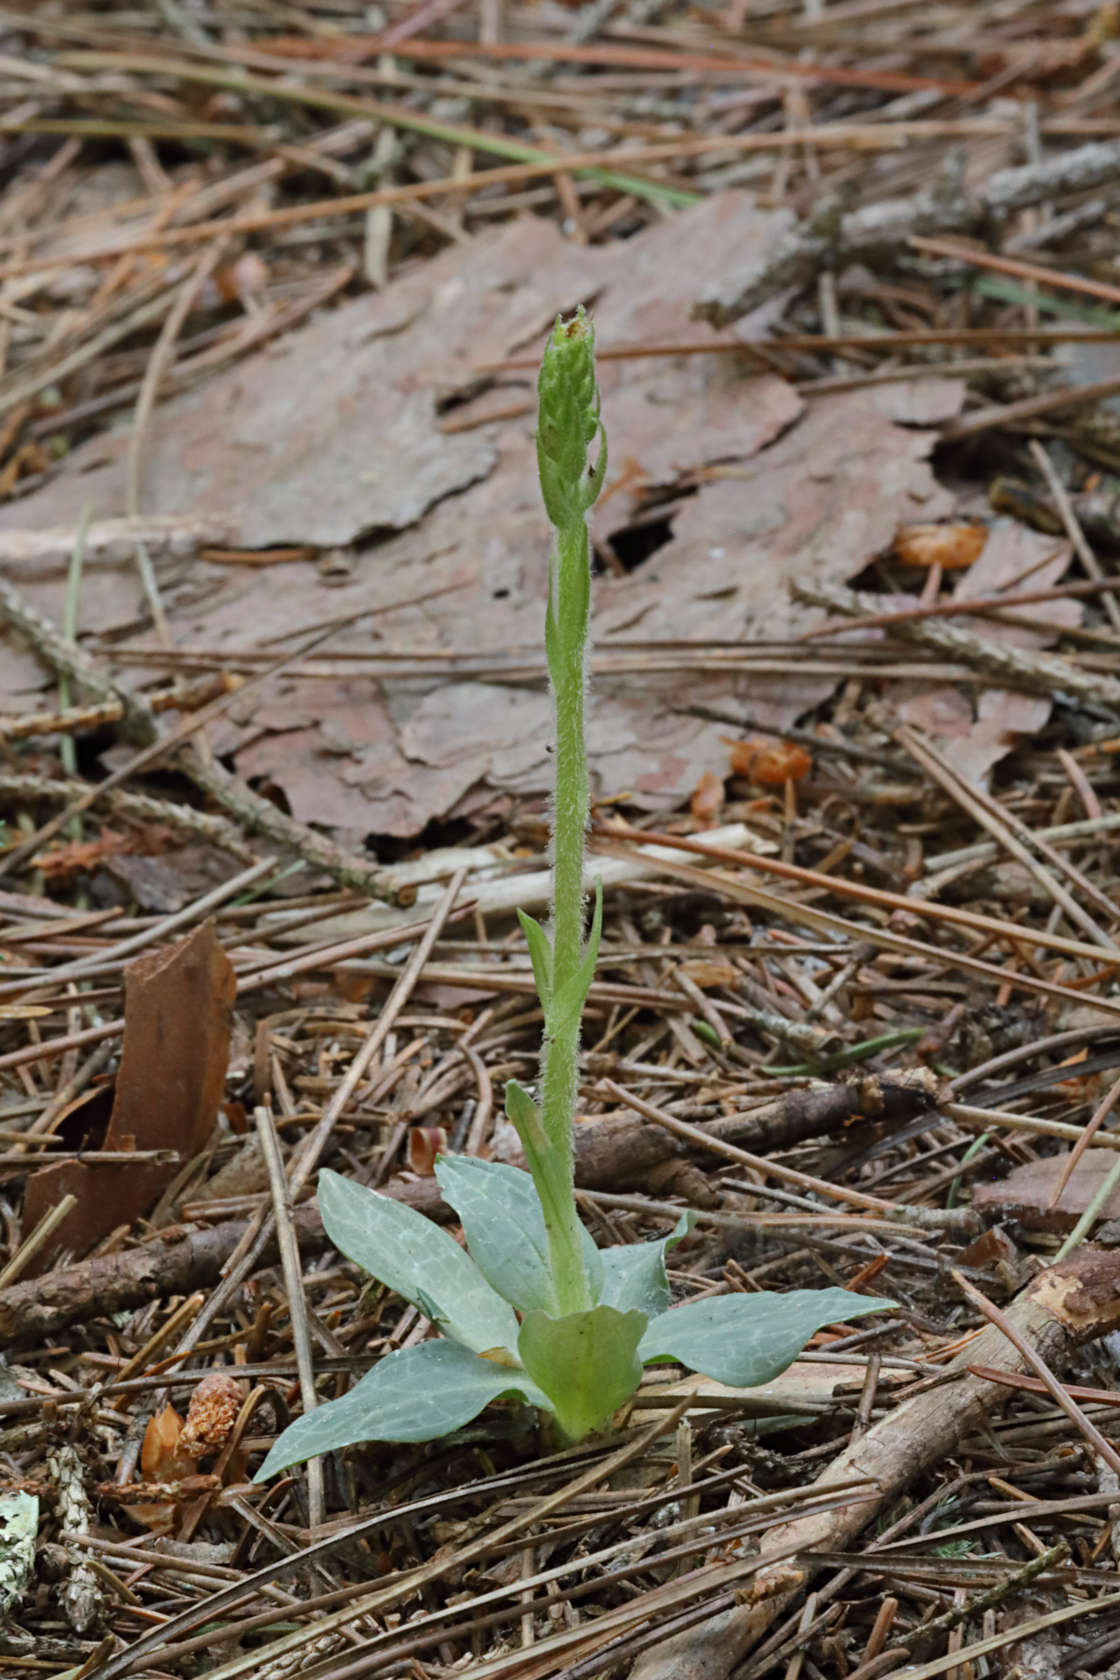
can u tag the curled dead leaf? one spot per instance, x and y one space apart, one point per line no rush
177 1023
954 547
768 763
424 1144
161 1456
169 1471
707 799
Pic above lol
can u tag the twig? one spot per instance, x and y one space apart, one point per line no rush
31 1244
134 807
1097 1202
257 1236
288 1245
312 1145
863 235
913 1438
258 813
1030 1355
1073 529
1042 673
149 388
1013 836
161 929
960 1613
890 1211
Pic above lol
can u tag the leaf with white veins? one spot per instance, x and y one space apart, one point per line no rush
416 1394
745 1340
505 1231
634 1273
414 1257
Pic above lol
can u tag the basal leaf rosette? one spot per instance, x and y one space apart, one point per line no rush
502 1334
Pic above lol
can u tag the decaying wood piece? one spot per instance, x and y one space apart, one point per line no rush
892 1098
1068 1304
624 1145
832 237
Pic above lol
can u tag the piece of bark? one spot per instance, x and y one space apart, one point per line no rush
814 1111
178 1005
623 1146
1024 1195
1065 1305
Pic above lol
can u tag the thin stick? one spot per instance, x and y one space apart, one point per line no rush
297 1300
1100 1114
1073 529
312 1146
1012 265
865 136
1100 1200
197 911
772 1169
998 825
149 388
967 1114
35 1239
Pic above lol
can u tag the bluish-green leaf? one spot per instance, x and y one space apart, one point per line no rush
504 1227
414 1257
505 1230
634 1273
540 955
745 1340
416 1394
586 1362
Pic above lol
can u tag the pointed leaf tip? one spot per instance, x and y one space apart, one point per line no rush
747 1340
540 955
416 1394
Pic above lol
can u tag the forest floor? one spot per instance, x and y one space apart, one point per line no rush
274 284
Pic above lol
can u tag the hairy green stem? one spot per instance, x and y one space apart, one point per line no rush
567 661
567 634
568 424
